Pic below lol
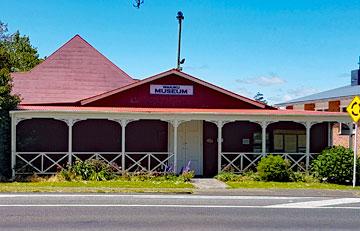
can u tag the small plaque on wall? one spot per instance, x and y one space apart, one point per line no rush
209 141
246 141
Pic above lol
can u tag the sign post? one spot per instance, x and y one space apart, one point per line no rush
354 111
355 153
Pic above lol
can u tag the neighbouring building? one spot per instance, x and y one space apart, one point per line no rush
334 100
79 105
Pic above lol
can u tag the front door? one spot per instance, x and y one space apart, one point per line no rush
190 146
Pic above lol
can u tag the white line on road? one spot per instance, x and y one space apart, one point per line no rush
168 206
155 196
316 204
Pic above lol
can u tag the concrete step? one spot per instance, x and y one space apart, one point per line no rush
208 183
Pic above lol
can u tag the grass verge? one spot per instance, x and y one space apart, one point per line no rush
288 185
99 186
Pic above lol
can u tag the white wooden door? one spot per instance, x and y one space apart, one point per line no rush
190 138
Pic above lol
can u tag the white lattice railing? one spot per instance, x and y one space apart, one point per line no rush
148 161
52 162
238 161
40 162
242 161
297 160
112 158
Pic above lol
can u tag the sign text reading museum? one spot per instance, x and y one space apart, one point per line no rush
171 89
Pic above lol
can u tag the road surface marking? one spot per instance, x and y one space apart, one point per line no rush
155 196
316 204
169 206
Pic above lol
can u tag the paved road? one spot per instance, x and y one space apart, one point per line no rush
176 212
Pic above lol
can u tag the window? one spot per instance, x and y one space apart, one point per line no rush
345 130
257 137
289 142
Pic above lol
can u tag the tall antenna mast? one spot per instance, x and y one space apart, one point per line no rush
179 17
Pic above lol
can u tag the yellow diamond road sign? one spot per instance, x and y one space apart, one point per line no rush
354 109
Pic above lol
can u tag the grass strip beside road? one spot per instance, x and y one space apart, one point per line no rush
99 186
288 185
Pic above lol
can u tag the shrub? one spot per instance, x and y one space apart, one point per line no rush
274 168
230 176
152 176
96 170
186 176
227 176
303 177
335 165
250 175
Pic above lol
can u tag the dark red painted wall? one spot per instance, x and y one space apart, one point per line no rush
97 135
203 97
210 149
285 125
318 134
92 135
282 125
318 137
42 135
147 136
235 132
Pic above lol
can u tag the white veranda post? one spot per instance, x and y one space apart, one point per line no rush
330 134
70 124
308 130
123 124
175 124
219 141
13 146
263 136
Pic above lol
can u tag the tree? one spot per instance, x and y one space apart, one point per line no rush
16 54
3 31
260 98
22 55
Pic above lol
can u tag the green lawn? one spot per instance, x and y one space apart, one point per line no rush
98 186
288 185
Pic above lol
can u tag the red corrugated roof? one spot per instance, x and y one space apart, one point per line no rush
74 72
176 110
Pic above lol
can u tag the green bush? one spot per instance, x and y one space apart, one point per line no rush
99 170
335 165
250 175
227 176
274 168
303 177
150 176
95 170
232 177
186 176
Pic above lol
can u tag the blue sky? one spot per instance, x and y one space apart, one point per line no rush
284 49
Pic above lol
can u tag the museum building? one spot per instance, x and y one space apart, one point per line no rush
79 105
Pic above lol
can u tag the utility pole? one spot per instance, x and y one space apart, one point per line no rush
179 17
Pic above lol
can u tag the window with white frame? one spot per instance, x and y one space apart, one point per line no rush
345 130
